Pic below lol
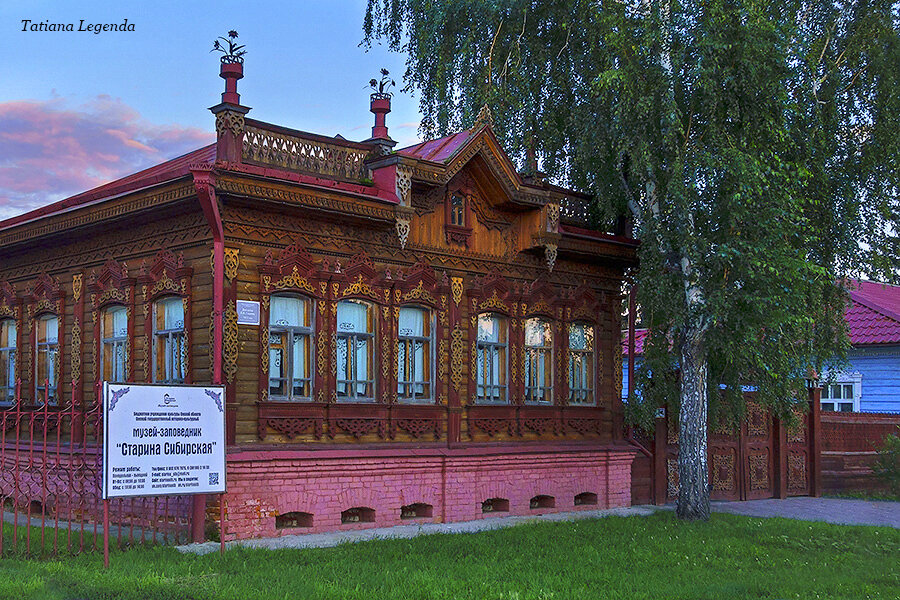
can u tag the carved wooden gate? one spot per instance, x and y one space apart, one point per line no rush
761 459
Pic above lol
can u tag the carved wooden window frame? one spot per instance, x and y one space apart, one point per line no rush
102 340
112 286
295 273
167 277
595 363
46 298
372 339
508 347
553 350
11 310
9 355
291 331
431 352
458 234
420 287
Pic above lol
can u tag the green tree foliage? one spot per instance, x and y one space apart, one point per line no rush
756 145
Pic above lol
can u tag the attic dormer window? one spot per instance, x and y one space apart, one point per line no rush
458 210
457 225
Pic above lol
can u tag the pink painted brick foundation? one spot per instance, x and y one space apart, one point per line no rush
454 482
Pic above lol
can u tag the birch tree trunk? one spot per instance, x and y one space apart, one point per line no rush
693 471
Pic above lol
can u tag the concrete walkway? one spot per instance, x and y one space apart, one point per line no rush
840 511
325 540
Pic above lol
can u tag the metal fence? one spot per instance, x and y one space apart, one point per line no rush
50 486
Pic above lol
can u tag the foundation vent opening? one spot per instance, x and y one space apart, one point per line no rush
358 514
291 520
542 502
417 510
492 505
586 498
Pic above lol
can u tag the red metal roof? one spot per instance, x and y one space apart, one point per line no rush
439 150
167 171
873 316
639 336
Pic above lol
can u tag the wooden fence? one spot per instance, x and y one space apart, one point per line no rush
850 442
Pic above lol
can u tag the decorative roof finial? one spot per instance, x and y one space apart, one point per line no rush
234 52
484 118
380 88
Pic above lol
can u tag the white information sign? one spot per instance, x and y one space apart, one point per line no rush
247 312
163 439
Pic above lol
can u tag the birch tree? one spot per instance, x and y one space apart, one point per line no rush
754 144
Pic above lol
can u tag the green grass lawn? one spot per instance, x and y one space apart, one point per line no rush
652 557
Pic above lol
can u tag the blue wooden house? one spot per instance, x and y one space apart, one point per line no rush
871 382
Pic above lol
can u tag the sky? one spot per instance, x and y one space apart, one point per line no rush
79 109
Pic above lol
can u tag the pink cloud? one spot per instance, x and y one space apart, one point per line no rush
50 150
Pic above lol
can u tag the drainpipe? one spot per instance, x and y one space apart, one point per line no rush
204 183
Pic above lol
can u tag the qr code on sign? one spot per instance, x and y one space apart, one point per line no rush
213 479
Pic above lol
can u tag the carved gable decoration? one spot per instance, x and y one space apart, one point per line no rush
167 275
111 284
360 280
493 292
8 300
419 285
585 305
294 269
542 298
45 296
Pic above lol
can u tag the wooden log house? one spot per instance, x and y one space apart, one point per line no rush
439 335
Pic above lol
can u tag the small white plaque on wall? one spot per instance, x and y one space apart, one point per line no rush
247 312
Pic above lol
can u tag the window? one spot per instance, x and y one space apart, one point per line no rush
114 353
290 345
170 346
355 350
7 361
414 355
581 364
47 348
538 361
458 210
492 359
842 396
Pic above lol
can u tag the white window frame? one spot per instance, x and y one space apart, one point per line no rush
841 378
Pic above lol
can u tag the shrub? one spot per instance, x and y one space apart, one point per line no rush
887 465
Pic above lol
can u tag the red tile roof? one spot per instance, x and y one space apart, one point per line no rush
873 316
167 171
439 150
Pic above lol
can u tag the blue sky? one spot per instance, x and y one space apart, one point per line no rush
79 109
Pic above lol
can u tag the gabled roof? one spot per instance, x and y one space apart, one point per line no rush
873 316
167 171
